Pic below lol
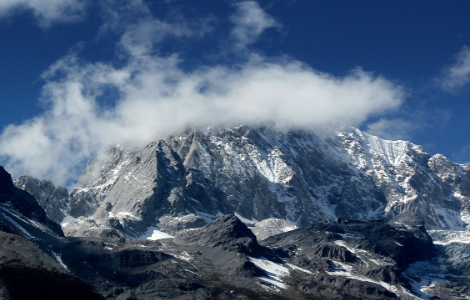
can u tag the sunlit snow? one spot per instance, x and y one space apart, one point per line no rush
154 234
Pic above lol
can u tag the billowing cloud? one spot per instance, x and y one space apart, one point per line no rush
46 11
153 96
457 75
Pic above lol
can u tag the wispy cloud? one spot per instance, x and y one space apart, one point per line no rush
46 11
156 97
393 129
462 155
142 38
406 123
250 22
118 14
457 75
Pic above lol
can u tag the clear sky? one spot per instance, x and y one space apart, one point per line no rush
77 76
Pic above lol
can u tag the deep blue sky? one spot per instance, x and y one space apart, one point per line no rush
410 43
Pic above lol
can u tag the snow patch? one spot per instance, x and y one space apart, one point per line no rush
273 271
58 258
341 269
67 219
248 222
123 215
447 237
423 276
183 256
153 233
343 244
294 267
18 226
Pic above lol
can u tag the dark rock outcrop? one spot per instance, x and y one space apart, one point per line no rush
14 201
26 272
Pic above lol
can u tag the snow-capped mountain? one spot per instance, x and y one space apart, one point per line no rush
258 173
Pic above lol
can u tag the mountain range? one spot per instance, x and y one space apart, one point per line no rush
250 213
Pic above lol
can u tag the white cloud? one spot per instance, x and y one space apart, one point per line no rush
457 75
157 97
46 11
250 22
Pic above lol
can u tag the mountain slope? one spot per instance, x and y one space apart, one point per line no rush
53 199
30 267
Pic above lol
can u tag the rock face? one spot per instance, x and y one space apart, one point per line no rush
172 225
17 206
54 200
29 265
26 272
228 233
258 173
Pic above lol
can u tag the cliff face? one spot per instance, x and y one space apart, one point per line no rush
53 199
